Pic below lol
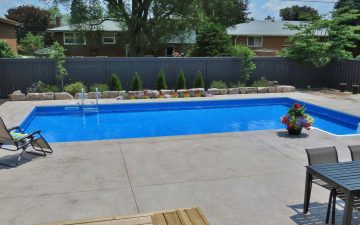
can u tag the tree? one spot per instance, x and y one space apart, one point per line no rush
33 19
30 43
54 13
161 81
212 40
78 12
57 53
136 83
5 50
225 12
115 84
322 40
199 80
149 22
181 82
247 65
298 13
270 18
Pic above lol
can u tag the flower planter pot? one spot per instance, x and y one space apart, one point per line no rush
294 131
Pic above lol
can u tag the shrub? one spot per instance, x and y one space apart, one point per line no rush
5 50
100 87
261 83
74 88
247 65
57 53
49 88
115 84
236 85
199 81
35 87
218 84
136 84
181 82
161 81
30 43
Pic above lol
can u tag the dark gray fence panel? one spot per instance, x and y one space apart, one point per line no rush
21 73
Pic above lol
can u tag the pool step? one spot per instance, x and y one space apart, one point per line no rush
90 109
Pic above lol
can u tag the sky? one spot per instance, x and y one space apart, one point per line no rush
259 9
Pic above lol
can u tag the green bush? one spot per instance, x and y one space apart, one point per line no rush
218 84
236 85
247 65
181 82
161 81
100 87
5 50
261 83
115 84
199 81
74 88
30 43
49 88
136 84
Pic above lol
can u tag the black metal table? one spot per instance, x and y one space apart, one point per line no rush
345 177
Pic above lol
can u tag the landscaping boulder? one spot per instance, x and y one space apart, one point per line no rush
242 90
272 90
40 96
135 94
284 88
78 95
251 90
195 92
183 93
262 89
167 92
216 91
152 93
17 96
63 96
233 91
92 95
112 94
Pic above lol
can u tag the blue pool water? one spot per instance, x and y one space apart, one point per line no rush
136 120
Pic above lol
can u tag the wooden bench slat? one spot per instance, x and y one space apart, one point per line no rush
203 216
184 218
172 218
195 217
158 219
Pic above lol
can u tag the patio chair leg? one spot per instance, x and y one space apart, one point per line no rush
333 207
329 207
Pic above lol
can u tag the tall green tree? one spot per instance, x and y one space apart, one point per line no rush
30 43
57 53
298 13
212 40
78 12
33 19
225 12
322 40
5 50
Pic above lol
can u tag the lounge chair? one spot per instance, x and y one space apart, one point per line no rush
317 156
14 139
355 152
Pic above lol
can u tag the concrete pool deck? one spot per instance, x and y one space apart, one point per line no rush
235 178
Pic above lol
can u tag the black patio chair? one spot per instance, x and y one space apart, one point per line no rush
317 156
10 143
355 152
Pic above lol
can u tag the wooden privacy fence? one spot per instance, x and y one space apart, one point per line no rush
21 73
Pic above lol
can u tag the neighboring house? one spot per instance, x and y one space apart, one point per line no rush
105 39
8 32
266 38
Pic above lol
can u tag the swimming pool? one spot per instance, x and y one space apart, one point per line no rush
138 120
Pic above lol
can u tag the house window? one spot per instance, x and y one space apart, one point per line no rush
74 38
108 38
254 41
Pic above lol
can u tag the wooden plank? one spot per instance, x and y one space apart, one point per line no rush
195 216
158 219
184 218
172 218
203 216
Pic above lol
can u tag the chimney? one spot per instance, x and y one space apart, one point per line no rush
58 21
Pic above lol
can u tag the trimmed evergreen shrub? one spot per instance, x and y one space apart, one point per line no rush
115 84
136 84
199 80
181 83
161 81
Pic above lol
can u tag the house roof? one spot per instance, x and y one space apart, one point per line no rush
107 25
264 28
7 21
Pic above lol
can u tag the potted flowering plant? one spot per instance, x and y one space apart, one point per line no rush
296 119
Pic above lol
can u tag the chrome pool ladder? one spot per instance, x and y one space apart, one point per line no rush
92 107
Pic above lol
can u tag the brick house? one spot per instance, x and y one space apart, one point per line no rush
106 39
265 38
8 32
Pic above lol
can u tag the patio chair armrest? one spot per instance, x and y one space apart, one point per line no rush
14 128
30 135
